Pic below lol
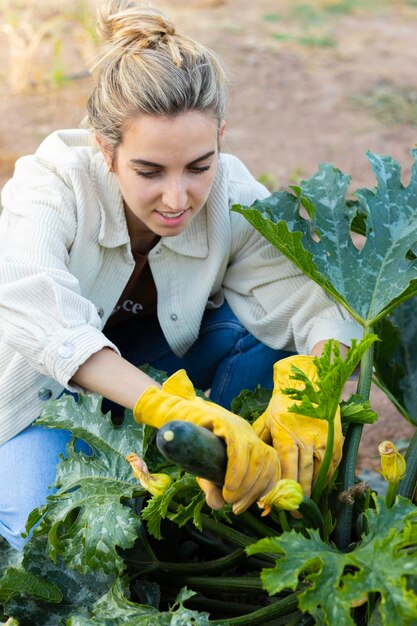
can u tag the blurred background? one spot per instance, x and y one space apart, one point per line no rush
311 81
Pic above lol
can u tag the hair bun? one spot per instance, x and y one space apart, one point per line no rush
127 24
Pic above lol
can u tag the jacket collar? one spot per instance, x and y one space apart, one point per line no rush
113 227
193 240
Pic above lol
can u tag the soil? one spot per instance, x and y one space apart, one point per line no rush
312 81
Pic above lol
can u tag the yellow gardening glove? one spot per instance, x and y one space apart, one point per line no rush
299 440
252 466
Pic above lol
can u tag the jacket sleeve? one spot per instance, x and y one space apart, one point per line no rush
43 315
272 298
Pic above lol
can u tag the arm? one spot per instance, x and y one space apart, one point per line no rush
111 376
50 261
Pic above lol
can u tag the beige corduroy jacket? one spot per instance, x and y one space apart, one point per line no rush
65 258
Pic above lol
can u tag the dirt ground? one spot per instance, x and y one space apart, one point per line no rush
311 81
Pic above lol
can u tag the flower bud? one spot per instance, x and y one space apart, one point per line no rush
156 484
393 465
287 495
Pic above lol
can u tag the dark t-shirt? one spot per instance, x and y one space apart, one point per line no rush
139 296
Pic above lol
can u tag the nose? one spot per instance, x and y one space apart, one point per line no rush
175 194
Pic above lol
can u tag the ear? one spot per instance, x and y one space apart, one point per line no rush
107 151
222 128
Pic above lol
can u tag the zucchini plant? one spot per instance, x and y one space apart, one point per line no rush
104 551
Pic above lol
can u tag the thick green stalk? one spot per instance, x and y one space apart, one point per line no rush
226 532
320 482
201 602
250 521
408 484
282 516
391 494
350 450
216 565
218 584
267 615
232 535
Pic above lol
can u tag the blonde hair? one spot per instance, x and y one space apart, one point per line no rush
146 67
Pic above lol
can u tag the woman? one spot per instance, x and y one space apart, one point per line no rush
118 249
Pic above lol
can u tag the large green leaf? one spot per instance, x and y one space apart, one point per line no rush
9 557
368 282
396 357
49 592
382 563
86 520
17 578
115 609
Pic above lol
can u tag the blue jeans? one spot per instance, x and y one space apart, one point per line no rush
225 358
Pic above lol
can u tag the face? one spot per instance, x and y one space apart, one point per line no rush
165 168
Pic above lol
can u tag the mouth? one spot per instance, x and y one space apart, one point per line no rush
171 218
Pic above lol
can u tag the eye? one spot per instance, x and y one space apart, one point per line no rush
200 170
152 174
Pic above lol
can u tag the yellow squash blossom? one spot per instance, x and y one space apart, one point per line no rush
156 484
393 465
287 495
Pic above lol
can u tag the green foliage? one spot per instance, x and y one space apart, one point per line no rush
251 404
382 563
9 557
189 501
368 282
396 358
43 592
105 553
74 564
88 508
114 609
16 579
321 401
356 411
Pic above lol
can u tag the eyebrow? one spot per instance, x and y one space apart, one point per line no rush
152 164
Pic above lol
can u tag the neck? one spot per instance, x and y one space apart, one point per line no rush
141 238
143 243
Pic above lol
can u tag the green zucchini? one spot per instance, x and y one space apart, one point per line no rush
193 448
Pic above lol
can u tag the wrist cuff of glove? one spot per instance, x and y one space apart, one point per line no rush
141 410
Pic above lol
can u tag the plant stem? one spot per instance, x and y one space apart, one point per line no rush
217 584
250 521
216 565
265 615
324 468
200 602
311 514
407 486
283 521
350 450
391 494
230 534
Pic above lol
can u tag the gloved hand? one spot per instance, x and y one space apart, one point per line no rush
253 468
299 440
